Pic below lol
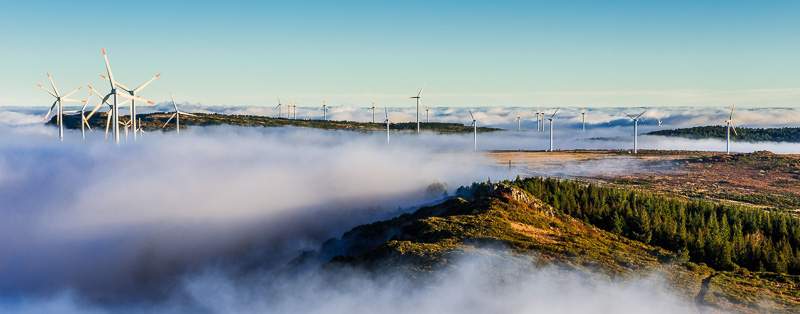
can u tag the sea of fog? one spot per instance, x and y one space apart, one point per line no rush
205 221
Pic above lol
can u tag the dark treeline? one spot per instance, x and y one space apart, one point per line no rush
723 236
745 134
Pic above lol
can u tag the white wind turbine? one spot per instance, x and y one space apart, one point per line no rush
417 98
141 129
177 116
84 121
115 93
126 125
373 110
519 122
729 122
475 128
324 109
133 92
541 117
427 114
386 112
538 112
280 108
59 109
659 122
583 120
636 129
551 127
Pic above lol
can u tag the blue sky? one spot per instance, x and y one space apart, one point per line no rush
509 53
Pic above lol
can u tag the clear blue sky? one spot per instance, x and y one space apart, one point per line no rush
471 53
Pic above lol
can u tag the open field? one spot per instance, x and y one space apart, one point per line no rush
760 178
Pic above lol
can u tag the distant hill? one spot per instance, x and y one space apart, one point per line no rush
744 134
614 233
155 122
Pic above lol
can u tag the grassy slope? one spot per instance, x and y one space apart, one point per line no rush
155 121
430 239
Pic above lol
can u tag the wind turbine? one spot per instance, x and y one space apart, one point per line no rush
133 92
729 122
417 98
519 122
324 110
386 112
475 128
551 128
115 93
177 116
126 125
84 122
280 108
373 110
659 122
427 114
541 116
141 129
635 129
583 120
59 110
537 117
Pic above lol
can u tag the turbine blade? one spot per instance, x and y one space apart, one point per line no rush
554 113
470 114
146 83
51 83
734 129
49 111
117 83
86 102
46 90
108 122
108 67
173 102
137 98
98 105
731 117
641 114
420 90
168 120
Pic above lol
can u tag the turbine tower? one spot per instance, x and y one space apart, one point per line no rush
475 128
177 116
373 110
519 122
386 112
427 114
636 129
551 128
280 108
583 120
324 109
541 117
729 122
417 97
58 102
